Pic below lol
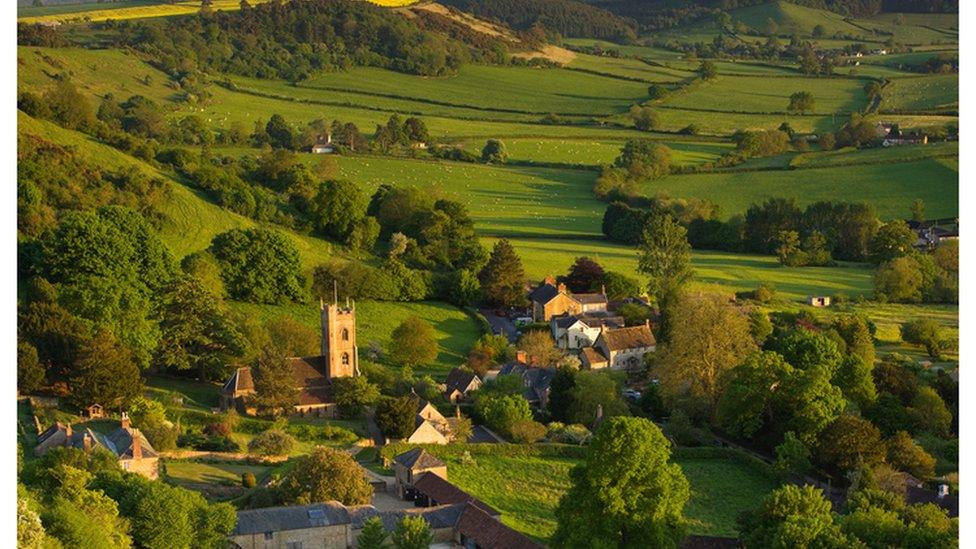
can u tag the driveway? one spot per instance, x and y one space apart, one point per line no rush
501 325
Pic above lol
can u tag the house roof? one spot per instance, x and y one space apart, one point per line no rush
292 517
459 379
309 371
441 516
535 381
418 458
587 299
443 492
593 355
619 339
120 442
544 293
488 532
310 396
950 502
240 380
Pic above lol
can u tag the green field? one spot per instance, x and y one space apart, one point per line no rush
889 188
849 156
527 489
748 94
935 93
626 67
456 331
129 10
186 472
598 153
718 271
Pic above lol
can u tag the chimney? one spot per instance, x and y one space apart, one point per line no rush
603 289
561 288
136 445
86 442
125 421
550 280
521 357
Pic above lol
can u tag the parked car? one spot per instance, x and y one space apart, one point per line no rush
632 394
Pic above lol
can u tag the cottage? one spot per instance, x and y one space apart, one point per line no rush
535 381
408 466
323 145
313 375
432 426
620 348
95 411
550 299
459 383
129 445
576 332
819 301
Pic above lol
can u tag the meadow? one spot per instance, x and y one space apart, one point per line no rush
750 94
130 10
714 271
932 93
685 152
526 489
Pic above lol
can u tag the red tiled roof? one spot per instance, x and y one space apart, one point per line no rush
488 532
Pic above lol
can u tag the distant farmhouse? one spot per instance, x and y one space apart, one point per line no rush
550 299
128 444
323 145
313 375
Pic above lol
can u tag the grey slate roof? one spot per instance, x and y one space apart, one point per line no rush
295 517
418 458
535 381
544 293
444 493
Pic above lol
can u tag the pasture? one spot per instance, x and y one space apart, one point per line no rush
598 153
889 188
714 271
936 93
757 95
132 10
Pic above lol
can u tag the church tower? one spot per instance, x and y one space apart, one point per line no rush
339 339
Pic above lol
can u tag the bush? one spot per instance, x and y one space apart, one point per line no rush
527 431
217 429
924 332
248 480
272 442
199 441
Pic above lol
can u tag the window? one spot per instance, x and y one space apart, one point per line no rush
345 358
345 334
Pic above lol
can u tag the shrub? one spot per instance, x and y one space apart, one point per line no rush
527 431
248 480
217 429
272 442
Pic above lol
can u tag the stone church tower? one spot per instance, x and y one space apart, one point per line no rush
339 340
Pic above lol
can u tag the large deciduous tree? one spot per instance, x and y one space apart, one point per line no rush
325 475
414 342
627 493
259 265
274 384
792 516
105 373
585 275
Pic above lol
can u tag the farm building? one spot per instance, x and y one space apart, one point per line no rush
323 145
819 301
550 299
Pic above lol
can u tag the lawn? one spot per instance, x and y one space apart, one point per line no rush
890 188
456 331
526 489
200 472
718 271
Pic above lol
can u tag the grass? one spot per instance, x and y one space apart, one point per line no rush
748 94
892 155
455 330
936 93
527 489
714 271
597 153
889 188
183 472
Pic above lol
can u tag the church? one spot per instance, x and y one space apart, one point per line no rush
313 374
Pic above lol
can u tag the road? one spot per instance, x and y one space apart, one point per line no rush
501 325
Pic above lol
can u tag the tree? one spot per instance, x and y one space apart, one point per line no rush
592 391
414 342
502 278
925 332
752 395
196 333
645 118
289 337
539 347
855 380
792 516
806 350
280 133
325 475
68 106
560 403
709 338
527 431
353 393
857 336
585 275
893 240
501 412
412 533
657 91
850 443
259 265
338 207
620 286
272 442
792 456
627 493
395 416
707 70
899 280
373 535
30 371
929 413
105 373
664 256
494 152
30 531
801 102
464 288
905 455
644 159
274 384
788 249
